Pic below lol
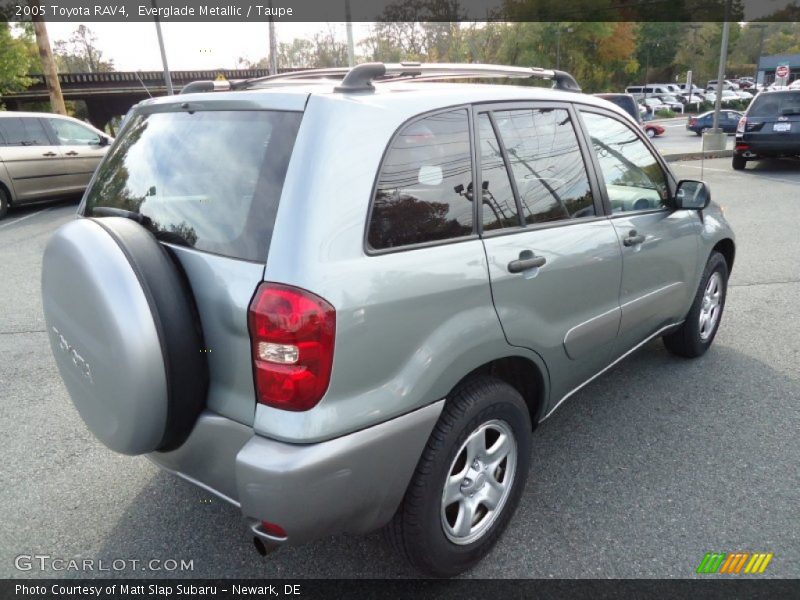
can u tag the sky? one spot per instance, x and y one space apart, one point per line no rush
193 46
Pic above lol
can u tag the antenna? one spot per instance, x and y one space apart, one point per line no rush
142 82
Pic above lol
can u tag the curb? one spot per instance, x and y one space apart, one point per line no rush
697 155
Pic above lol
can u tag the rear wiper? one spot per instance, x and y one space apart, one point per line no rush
110 211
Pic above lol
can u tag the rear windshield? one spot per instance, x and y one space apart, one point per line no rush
210 180
772 104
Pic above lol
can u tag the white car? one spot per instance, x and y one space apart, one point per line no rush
672 103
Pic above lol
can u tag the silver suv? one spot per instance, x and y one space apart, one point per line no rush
288 293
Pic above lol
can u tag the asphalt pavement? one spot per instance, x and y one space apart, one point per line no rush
638 475
677 141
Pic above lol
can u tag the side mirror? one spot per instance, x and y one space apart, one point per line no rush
103 141
692 195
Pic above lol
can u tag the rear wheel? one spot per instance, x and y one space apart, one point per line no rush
3 202
468 482
738 162
651 133
697 333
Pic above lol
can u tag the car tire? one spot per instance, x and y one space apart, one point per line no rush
738 162
429 532
697 333
3 203
651 133
702 130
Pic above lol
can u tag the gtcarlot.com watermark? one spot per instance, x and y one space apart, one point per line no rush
46 562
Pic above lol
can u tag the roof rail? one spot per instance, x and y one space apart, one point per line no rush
361 77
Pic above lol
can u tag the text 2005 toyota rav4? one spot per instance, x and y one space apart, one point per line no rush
294 294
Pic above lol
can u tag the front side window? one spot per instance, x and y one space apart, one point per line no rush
546 164
24 131
634 178
424 193
73 134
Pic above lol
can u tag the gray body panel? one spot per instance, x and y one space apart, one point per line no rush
550 312
223 288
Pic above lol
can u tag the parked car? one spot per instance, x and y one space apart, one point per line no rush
728 120
769 128
635 110
45 156
727 84
336 339
672 103
640 92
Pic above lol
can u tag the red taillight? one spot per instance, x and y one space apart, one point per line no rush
292 333
692 121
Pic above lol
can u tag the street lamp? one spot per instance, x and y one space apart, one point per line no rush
558 43
649 47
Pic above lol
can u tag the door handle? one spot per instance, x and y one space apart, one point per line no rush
633 239
49 154
525 262
72 153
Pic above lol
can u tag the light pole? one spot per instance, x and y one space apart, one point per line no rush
649 47
558 43
716 139
348 17
167 76
762 27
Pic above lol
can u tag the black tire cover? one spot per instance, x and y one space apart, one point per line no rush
125 333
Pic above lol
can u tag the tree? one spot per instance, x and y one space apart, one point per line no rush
80 54
15 60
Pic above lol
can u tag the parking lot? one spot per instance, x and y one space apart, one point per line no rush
639 475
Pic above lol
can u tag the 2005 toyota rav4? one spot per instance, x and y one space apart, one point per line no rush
296 296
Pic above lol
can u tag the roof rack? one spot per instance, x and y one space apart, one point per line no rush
362 77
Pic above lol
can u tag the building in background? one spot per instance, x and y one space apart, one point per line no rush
768 64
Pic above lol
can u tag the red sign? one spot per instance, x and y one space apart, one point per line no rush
782 71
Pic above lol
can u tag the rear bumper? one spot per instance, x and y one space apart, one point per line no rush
767 148
352 484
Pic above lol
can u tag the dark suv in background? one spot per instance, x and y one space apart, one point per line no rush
769 128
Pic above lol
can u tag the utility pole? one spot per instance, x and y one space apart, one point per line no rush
762 27
351 55
723 58
48 64
167 76
273 48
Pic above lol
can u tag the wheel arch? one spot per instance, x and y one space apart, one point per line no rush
521 373
727 248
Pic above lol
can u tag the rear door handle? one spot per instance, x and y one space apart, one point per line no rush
49 154
633 239
72 153
525 262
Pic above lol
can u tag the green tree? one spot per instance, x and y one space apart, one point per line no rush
15 59
80 54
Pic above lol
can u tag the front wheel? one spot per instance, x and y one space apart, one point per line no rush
697 333
651 133
738 162
468 482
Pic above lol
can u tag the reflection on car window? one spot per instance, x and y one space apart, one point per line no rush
546 163
207 179
634 178
499 207
425 189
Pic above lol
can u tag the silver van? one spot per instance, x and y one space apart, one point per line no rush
44 156
343 300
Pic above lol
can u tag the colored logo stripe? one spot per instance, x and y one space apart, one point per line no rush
722 562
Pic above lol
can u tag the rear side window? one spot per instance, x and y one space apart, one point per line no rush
774 104
210 180
546 163
499 208
424 189
24 131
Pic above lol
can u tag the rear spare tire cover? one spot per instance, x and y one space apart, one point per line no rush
123 329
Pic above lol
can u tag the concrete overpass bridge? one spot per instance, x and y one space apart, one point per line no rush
111 94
